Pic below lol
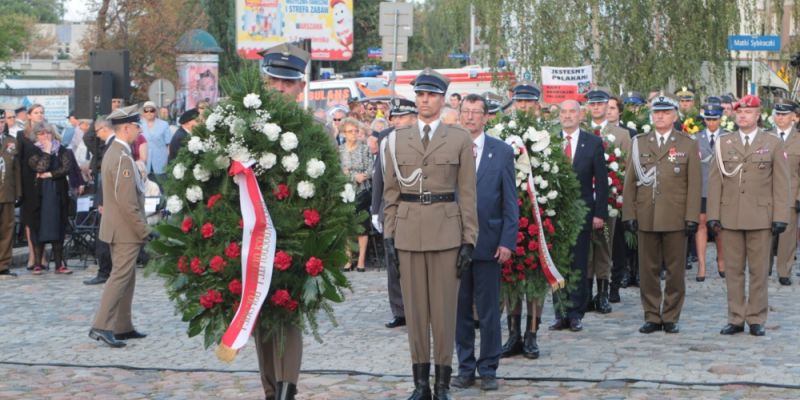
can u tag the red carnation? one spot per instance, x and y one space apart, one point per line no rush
182 266
534 266
533 245
281 192
207 230
530 260
612 157
597 132
291 305
508 263
507 279
213 200
506 270
211 298
520 276
186 225
217 263
241 223
520 251
523 223
282 261
314 266
533 230
233 250
280 297
519 267
235 287
197 266
520 237
311 217
519 202
548 226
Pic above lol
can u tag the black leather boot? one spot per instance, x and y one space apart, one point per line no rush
441 387
422 382
602 297
513 345
592 306
530 349
285 391
613 295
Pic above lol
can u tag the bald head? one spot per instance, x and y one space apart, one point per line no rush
570 115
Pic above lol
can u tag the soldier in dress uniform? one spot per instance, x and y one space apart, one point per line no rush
123 227
431 227
600 260
634 100
662 203
685 101
748 202
706 139
10 192
785 128
525 98
283 68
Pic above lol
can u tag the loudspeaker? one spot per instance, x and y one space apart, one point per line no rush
93 93
115 61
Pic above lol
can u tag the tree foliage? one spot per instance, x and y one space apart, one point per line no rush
42 11
222 26
16 32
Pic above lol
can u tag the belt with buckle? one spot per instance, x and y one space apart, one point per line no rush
428 197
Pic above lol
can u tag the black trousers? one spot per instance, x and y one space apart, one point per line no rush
102 251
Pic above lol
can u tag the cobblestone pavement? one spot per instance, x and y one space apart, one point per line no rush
45 352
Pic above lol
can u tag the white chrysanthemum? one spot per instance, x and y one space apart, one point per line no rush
606 156
512 124
305 189
613 213
609 182
289 141
200 173
543 184
212 121
239 152
631 125
614 166
550 212
546 166
547 152
222 162
537 179
194 194
267 160
617 152
195 145
646 128
542 199
552 195
237 126
315 168
178 171
535 162
252 101
290 162
554 169
273 131
619 199
541 141
611 138
348 195
174 204
495 131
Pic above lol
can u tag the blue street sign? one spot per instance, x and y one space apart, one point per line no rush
754 43
458 56
374 52
527 75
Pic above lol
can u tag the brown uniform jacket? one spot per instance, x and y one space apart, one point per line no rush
622 139
123 204
679 184
759 195
792 149
10 184
447 166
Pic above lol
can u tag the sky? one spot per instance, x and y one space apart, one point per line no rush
75 10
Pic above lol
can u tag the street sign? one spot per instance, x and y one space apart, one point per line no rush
388 47
527 76
405 19
161 92
458 56
754 43
374 52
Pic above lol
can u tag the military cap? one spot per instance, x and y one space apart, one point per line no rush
784 106
402 107
124 115
711 111
493 106
663 102
633 98
726 98
685 94
748 101
526 91
188 115
597 96
431 81
285 61
20 109
713 100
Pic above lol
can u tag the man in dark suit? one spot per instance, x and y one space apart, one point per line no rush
188 121
97 141
402 113
585 151
498 222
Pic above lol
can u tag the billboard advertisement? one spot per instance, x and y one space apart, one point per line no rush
565 83
261 24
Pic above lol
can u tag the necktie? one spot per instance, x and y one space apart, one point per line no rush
746 142
711 141
568 149
660 141
474 150
426 136
783 136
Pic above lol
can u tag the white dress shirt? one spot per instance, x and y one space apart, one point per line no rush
573 142
478 149
752 136
601 126
665 136
433 125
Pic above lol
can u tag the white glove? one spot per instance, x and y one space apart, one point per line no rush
377 223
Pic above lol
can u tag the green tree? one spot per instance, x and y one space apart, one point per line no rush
222 26
16 32
43 11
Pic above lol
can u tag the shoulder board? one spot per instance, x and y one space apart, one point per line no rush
641 135
771 133
725 133
684 134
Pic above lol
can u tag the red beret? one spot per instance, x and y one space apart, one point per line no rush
748 101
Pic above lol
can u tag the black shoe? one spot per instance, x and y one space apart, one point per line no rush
575 325
97 280
463 382
513 345
650 327
105 336
700 278
671 327
134 334
488 383
721 274
613 295
530 349
441 386
476 324
757 330
559 325
7 272
785 281
422 379
285 391
602 306
396 322
731 329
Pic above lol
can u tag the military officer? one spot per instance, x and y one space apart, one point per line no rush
599 265
123 227
785 119
283 68
662 203
525 98
10 192
430 227
712 114
685 101
748 202
633 100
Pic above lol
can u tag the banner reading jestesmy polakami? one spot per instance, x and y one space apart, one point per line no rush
565 83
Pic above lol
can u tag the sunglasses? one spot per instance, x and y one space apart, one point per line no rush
337 119
149 110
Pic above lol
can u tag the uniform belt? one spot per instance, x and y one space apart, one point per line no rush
428 197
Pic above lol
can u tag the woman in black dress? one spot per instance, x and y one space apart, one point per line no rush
25 141
50 198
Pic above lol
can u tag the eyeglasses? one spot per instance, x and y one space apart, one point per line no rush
149 110
337 119
472 112
371 108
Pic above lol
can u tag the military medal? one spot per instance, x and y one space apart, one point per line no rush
126 173
677 170
672 154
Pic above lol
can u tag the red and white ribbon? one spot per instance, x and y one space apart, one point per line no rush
258 255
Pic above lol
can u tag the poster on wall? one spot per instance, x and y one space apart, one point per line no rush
565 83
200 81
261 24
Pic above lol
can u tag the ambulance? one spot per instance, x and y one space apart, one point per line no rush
466 80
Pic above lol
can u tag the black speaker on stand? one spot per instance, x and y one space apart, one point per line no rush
115 61
93 93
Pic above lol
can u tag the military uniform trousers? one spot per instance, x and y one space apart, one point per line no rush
6 234
653 248
430 294
395 293
114 313
749 248
600 258
275 365
787 247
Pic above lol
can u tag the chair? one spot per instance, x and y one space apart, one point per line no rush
82 236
